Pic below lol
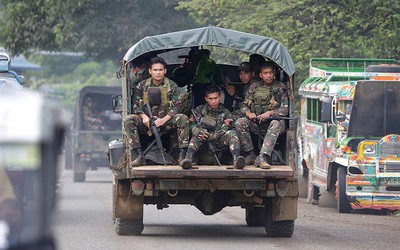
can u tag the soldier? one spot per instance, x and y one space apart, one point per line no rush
90 121
239 92
139 71
256 61
167 110
266 98
215 129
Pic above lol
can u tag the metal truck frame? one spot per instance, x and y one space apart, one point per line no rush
269 196
349 145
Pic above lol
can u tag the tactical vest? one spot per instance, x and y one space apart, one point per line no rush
218 117
166 104
262 99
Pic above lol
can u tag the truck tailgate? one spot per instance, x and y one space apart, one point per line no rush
209 171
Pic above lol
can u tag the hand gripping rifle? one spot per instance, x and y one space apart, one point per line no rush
155 130
209 144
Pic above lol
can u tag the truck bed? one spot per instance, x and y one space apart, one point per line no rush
211 171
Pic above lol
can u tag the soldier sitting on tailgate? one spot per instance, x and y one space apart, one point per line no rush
265 99
90 120
164 97
215 128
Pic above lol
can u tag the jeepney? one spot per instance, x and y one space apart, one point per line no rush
349 134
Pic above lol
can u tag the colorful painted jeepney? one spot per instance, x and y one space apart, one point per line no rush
349 134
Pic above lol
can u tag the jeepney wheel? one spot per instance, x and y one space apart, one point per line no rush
255 216
343 204
79 170
128 226
284 228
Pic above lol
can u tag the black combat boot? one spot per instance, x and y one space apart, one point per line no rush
187 162
250 157
263 162
182 155
137 158
238 161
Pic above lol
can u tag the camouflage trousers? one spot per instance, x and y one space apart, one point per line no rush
229 140
245 126
180 122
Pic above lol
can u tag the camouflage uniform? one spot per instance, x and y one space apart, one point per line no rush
90 122
238 98
277 100
174 96
222 136
137 77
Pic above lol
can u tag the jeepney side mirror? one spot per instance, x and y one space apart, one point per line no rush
117 103
21 80
326 109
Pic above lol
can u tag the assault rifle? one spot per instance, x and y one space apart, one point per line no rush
209 144
155 130
275 117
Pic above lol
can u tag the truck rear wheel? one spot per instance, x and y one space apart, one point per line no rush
68 155
284 228
79 177
79 169
343 204
255 216
128 226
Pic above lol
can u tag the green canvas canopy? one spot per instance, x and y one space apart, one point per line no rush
214 36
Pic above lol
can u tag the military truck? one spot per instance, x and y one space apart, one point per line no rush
268 196
350 135
87 148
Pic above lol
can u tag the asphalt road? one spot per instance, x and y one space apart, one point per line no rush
83 221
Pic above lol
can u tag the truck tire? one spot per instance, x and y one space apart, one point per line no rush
68 155
114 197
343 204
79 177
128 226
255 216
284 228
79 169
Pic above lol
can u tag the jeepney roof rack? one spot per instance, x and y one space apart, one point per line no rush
345 68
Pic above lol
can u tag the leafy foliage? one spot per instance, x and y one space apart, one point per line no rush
327 28
101 28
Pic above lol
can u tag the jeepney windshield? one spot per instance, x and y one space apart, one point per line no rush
375 111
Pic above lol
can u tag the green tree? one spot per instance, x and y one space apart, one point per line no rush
100 28
327 28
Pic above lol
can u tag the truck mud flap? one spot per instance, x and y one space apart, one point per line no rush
284 208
